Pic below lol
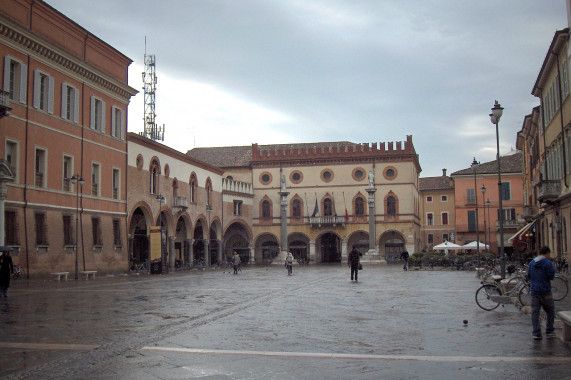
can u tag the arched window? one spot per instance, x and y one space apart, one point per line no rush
296 209
359 207
327 207
391 206
208 189
154 178
192 187
175 188
266 209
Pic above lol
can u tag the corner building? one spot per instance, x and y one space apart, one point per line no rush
329 201
68 94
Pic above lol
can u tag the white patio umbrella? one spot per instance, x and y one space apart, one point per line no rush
447 246
473 245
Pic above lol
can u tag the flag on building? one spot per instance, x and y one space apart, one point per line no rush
346 213
316 209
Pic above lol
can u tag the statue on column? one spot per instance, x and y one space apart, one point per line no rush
371 179
283 184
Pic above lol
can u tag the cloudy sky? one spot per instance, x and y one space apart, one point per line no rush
237 72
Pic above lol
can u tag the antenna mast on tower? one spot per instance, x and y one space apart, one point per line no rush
151 129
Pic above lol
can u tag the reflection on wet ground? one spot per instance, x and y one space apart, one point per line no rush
264 324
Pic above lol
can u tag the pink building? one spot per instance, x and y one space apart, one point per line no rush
469 197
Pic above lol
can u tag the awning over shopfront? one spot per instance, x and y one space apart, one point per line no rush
520 233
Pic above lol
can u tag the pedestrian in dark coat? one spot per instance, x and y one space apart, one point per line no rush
353 261
6 271
404 257
541 271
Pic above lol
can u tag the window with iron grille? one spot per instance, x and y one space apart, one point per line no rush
296 209
96 231
359 207
41 228
327 207
11 228
266 210
68 232
391 206
117 232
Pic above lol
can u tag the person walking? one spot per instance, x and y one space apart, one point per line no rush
541 271
353 261
6 270
404 257
289 263
236 261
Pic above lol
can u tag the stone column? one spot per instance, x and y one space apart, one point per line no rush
372 234
191 251
280 259
312 251
344 250
206 253
252 253
172 253
219 251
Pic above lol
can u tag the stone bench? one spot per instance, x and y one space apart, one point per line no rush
565 317
88 273
60 275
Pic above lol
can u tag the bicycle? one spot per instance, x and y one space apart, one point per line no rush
19 272
491 295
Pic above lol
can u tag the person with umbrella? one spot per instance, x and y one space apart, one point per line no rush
6 270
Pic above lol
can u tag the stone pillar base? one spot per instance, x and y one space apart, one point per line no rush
280 259
372 256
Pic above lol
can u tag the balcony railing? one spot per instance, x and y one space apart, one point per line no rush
233 186
548 190
513 223
180 202
326 220
39 180
529 212
4 104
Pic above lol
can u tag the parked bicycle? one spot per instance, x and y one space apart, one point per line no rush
491 295
19 272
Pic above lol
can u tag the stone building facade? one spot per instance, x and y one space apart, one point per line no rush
318 200
68 93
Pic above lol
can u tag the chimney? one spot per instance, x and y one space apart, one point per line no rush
444 172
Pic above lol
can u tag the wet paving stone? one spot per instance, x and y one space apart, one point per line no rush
263 324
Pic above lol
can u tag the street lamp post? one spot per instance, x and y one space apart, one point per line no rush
495 116
474 168
483 190
76 178
489 223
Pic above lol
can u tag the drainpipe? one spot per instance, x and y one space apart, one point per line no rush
562 124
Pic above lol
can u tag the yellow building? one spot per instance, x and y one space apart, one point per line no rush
437 210
330 197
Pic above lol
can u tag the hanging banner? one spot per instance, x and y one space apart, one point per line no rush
155 243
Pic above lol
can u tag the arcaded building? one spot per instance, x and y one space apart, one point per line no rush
318 200
64 139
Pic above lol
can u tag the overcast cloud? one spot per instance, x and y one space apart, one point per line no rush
267 71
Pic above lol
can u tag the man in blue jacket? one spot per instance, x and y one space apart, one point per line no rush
541 272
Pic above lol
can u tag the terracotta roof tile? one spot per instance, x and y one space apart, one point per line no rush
509 164
436 183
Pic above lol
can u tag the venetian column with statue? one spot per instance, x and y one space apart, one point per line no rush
280 259
372 255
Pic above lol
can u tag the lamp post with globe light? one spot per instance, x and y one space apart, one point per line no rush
497 111
76 178
483 190
474 167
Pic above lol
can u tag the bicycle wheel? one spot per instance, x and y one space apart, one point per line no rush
483 295
524 295
559 288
